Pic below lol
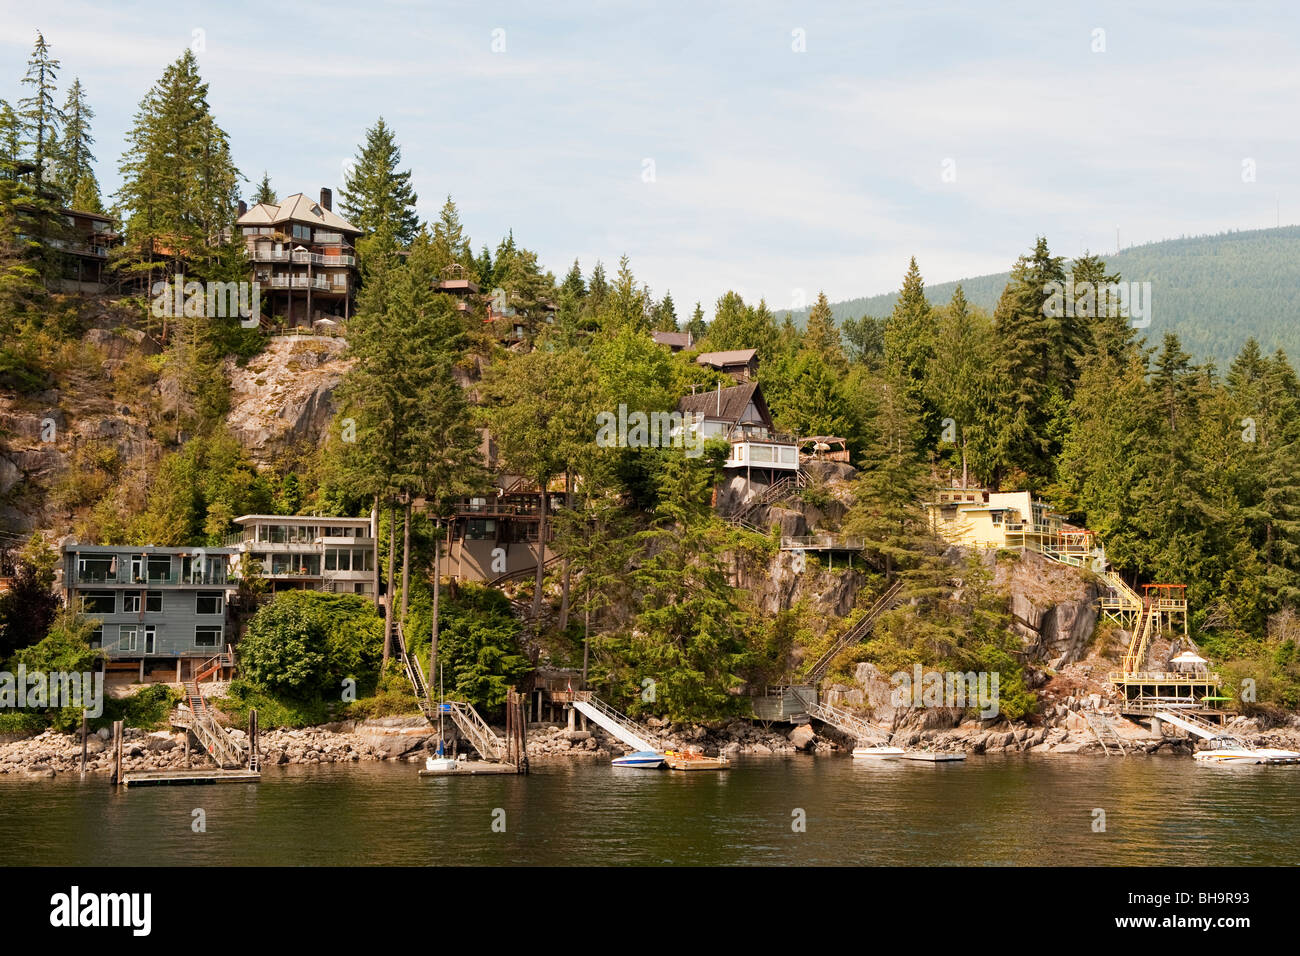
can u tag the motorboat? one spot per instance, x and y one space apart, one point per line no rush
1234 755
879 752
649 759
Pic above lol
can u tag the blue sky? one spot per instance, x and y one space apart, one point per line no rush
776 172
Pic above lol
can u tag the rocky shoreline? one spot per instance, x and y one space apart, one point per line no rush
409 739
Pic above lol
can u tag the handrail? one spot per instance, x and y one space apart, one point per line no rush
858 631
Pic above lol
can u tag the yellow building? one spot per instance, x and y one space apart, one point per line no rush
978 518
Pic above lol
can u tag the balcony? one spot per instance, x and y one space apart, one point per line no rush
153 580
320 283
763 454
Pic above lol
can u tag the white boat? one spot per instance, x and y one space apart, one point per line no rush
1234 755
878 753
649 759
440 764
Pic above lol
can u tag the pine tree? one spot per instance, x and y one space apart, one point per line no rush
823 336
41 118
909 343
264 194
960 382
179 184
697 326
450 244
76 171
374 193
665 314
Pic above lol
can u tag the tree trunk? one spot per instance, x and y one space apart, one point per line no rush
406 560
388 594
541 556
564 579
437 586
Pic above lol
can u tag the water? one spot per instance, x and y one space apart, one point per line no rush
995 810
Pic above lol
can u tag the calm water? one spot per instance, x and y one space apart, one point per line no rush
990 810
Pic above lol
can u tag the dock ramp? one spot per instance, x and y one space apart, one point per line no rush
1202 728
619 725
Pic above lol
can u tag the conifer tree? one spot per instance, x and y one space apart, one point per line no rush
75 166
264 193
375 193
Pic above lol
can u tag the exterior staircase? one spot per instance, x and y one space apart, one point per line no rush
863 730
475 729
413 672
855 634
1104 730
197 718
777 491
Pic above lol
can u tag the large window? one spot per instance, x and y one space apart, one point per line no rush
130 602
209 602
207 636
302 232
160 568
99 602
153 601
127 635
480 529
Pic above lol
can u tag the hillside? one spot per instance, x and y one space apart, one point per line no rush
1213 291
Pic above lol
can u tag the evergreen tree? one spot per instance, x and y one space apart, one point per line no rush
41 118
450 244
264 193
823 336
76 171
375 193
909 343
697 326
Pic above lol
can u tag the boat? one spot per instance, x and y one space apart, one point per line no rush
689 760
440 762
879 752
1235 755
649 759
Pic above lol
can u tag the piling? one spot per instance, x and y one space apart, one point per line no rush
117 752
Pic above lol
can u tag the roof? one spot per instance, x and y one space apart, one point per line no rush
318 519
296 208
727 404
681 340
734 357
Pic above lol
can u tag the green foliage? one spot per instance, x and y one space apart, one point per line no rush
272 710
66 649
478 649
148 708
305 644
375 196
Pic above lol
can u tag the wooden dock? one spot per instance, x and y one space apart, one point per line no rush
177 778
473 768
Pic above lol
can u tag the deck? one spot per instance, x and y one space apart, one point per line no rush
177 778
473 768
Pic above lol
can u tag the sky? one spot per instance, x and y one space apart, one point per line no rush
776 149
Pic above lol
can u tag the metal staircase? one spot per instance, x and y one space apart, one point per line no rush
1199 727
199 720
863 730
413 672
856 633
782 488
1104 730
475 729
1143 632
619 724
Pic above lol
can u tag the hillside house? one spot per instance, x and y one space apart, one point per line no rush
307 552
740 364
304 258
740 415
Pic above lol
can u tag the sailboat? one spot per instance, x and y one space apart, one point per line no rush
440 762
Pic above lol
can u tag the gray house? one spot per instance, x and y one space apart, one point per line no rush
159 609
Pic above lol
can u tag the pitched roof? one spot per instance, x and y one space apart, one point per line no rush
296 208
734 357
727 404
681 340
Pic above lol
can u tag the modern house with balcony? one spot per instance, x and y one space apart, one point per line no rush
304 259
161 610
306 552
740 415
978 518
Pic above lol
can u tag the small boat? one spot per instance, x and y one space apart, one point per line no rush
688 760
1234 755
440 764
931 756
650 759
879 752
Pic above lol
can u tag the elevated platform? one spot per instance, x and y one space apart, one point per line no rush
180 778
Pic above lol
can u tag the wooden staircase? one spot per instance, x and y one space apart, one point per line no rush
475 729
777 491
197 718
857 633
861 729
1104 730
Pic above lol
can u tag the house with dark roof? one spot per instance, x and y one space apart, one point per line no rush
740 364
740 415
676 341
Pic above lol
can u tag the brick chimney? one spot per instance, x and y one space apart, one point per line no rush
326 199
243 207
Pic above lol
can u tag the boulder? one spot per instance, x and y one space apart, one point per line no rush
803 737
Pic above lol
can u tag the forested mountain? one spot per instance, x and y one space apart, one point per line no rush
1213 292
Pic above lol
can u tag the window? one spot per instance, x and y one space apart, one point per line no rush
209 602
160 568
99 602
331 559
302 232
126 637
480 529
153 601
97 636
96 569
207 636
361 559
130 602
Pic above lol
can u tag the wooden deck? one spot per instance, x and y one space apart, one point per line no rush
473 768
177 778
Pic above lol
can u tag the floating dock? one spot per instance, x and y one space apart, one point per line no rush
927 756
473 768
176 778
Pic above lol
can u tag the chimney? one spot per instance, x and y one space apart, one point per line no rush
243 207
326 199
